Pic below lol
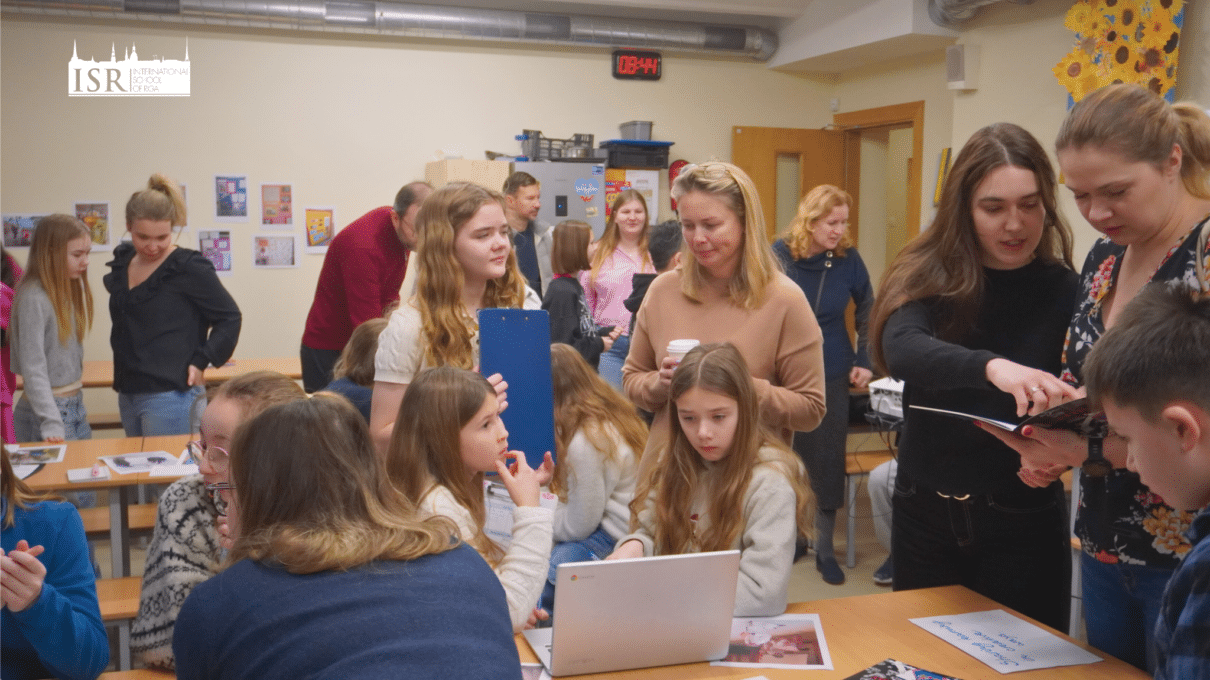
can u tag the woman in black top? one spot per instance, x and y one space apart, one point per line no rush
971 315
171 316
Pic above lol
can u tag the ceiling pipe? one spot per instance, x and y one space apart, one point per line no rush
426 21
954 13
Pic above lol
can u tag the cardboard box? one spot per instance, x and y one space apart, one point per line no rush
490 174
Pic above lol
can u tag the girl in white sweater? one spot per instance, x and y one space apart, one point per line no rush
599 437
447 434
723 482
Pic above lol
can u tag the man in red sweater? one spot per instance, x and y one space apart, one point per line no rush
361 276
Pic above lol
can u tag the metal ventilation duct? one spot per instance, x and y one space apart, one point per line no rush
954 13
425 21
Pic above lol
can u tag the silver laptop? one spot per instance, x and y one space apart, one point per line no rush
652 611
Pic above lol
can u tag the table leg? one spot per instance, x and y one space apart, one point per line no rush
124 646
119 531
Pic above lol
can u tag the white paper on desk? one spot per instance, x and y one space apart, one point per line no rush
1004 642
37 455
498 507
180 467
787 641
534 671
23 471
128 463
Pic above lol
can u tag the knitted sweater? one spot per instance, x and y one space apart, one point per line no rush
599 490
780 341
184 552
522 572
40 358
766 541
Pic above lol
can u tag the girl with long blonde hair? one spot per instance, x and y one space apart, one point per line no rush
465 262
723 482
52 312
617 256
599 438
448 433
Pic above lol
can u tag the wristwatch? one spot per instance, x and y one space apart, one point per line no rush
1096 465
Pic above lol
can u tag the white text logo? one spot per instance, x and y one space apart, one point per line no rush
128 77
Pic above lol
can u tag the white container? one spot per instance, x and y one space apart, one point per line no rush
886 396
636 129
677 349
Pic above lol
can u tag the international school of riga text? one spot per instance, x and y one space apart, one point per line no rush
128 77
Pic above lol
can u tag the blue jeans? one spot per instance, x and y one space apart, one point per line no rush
158 413
1121 606
71 412
596 547
610 366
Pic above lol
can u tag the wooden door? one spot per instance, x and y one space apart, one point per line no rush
820 155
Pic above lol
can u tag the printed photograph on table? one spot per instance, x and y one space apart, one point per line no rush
231 198
216 247
19 229
130 463
321 228
95 216
37 455
273 252
276 206
788 641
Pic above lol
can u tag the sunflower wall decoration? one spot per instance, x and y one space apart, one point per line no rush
1122 41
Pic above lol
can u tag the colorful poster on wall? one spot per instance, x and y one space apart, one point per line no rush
231 198
19 229
321 228
216 246
275 251
95 216
276 206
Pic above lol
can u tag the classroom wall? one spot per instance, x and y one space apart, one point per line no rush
346 119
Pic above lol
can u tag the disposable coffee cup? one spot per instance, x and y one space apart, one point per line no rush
677 349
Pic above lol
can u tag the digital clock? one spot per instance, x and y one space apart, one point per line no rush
636 65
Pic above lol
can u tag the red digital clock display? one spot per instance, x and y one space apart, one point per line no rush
636 65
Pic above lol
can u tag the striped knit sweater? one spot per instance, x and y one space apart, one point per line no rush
184 552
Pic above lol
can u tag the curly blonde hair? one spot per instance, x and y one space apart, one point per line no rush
446 326
816 205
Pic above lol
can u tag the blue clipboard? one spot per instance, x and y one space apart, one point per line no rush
516 344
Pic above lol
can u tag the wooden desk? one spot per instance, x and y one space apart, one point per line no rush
84 453
99 373
863 630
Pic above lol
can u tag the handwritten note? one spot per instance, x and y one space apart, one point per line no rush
1004 642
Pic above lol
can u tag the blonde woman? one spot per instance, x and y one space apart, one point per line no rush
617 256
818 256
729 287
171 316
53 311
465 263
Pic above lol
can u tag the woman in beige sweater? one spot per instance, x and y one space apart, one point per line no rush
729 288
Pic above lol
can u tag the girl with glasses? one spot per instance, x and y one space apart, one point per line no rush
186 546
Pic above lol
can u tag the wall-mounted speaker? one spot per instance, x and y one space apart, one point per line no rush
962 67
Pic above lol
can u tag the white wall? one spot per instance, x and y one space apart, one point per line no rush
346 119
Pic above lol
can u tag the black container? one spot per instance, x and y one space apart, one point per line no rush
637 153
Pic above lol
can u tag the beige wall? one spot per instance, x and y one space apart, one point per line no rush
347 120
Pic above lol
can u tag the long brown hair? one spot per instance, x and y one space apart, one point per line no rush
1134 122
612 235
944 261
314 495
47 268
816 205
758 266
584 402
425 449
17 493
676 478
256 391
356 360
447 328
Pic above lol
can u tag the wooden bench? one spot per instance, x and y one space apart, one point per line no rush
105 421
858 464
140 515
119 600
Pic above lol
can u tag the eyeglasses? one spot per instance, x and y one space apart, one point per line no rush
216 494
216 456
